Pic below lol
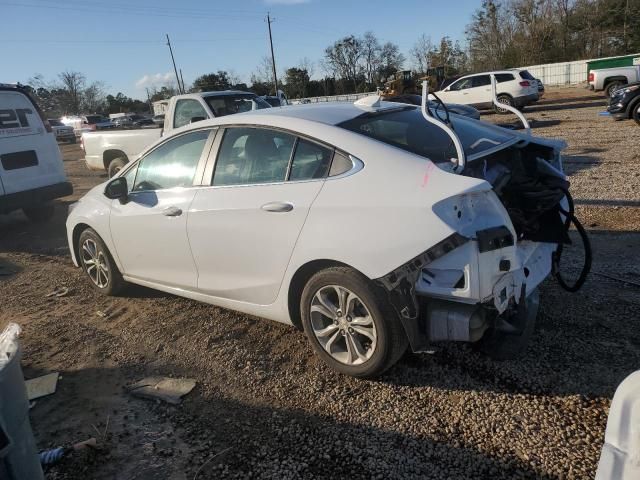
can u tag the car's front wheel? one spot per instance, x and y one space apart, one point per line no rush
636 113
98 264
504 99
350 323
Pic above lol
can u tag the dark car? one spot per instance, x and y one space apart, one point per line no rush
625 103
464 110
143 121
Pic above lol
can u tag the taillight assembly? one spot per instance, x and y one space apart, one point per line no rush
525 83
82 143
591 76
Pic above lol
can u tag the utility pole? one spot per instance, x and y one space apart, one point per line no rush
174 64
273 58
149 100
182 79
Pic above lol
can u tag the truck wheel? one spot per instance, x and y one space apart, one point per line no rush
612 87
98 264
116 165
636 113
501 345
351 326
507 100
41 213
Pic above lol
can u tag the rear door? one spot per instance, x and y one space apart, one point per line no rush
244 227
480 93
29 154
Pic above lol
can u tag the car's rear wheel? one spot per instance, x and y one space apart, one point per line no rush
41 213
98 264
506 100
116 165
350 324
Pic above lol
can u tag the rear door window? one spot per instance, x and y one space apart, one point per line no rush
310 161
250 156
504 77
481 81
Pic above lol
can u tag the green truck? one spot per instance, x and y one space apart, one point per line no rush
610 74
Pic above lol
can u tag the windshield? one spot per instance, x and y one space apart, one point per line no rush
407 129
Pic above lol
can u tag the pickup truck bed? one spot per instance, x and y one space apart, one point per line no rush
102 148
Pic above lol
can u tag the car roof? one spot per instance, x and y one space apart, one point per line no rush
224 93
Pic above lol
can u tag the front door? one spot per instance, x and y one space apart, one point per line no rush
244 227
150 230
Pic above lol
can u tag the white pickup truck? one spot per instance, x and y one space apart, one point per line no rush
111 150
612 79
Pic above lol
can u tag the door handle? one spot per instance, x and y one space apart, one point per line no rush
172 212
277 207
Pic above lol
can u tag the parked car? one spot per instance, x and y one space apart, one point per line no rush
110 151
412 99
143 122
31 170
612 79
625 103
279 100
525 75
345 220
159 119
86 123
475 90
62 132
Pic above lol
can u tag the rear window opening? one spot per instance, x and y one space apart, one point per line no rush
524 74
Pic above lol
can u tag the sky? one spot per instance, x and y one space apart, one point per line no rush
122 43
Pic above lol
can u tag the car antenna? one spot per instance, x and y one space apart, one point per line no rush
426 113
494 98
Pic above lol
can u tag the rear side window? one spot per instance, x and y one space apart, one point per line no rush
504 77
526 75
171 165
252 156
186 110
310 161
481 81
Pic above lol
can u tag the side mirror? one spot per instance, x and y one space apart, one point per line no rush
197 119
117 189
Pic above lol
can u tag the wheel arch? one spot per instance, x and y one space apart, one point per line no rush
633 104
300 279
109 155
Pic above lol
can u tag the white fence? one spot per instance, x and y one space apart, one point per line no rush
350 97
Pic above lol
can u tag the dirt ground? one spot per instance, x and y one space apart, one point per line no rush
266 407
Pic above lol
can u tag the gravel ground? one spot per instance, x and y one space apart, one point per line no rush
266 407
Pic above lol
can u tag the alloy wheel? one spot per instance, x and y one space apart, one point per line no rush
95 263
343 325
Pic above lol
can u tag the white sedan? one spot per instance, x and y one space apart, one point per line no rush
350 221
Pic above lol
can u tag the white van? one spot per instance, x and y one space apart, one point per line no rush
31 170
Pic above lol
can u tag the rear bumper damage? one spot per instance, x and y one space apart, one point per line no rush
455 290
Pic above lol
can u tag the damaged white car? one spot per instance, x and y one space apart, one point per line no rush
367 225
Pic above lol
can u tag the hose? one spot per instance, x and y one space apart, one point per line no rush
557 255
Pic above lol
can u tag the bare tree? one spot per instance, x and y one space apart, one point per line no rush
93 97
73 85
370 56
421 53
343 58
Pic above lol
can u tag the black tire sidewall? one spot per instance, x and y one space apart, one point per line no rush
612 87
366 291
635 114
509 102
114 273
115 166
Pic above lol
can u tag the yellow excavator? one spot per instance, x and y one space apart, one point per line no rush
404 82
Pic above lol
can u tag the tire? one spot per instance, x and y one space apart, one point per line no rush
507 100
366 310
612 87
636 113
40 214
116 165
104 276
507 346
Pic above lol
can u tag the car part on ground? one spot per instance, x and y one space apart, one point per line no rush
434 248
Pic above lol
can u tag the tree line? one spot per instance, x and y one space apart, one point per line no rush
500 34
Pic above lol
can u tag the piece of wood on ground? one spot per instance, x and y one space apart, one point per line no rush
169 390
42 386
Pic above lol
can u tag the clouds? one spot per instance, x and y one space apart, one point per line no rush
155 79
286 2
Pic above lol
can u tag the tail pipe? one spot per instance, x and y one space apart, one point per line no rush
460 161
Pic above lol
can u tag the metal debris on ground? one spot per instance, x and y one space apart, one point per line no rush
170 390
54 455
41 386
100 313
58 292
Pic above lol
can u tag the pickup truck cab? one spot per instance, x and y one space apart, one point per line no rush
612 79
110 151
31 169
